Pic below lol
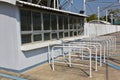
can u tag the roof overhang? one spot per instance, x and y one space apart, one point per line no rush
48 8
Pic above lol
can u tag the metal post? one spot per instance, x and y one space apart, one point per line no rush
111 18
49 53
90 64
106 15
53 67
100 55
82 53
98 14
84 7
57 4
96 58
69 57
54 4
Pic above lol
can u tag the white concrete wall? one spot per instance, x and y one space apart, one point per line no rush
33 57
9 36
11 55
100 29
9 1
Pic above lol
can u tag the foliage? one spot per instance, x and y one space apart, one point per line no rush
92 17
116 15
114 12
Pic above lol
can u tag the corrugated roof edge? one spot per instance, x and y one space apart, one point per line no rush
48 8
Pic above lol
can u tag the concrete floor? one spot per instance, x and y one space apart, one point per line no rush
63 72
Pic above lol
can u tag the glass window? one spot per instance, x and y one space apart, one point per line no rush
54 36
80 26
26 38
31 28
60 22
75 33
46 21
65 22
71 23
75 23
60 34
46 36
82 22
53 22
71 33
36 21
66 34
81 32
37 37
25 17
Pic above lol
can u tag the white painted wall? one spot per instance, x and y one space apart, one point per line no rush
11 55
9 1
9 35
100 29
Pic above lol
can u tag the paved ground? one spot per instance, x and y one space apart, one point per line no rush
63 72
2 78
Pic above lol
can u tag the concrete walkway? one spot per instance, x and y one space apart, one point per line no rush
63 72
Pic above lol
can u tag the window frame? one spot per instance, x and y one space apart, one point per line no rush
58 30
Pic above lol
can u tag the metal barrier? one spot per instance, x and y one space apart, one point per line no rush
99 49
108 43
96 46
70 48
100 46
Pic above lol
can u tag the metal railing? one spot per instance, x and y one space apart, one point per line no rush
69 62
98 48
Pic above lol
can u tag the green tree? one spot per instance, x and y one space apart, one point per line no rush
104 18
116 14
92 17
